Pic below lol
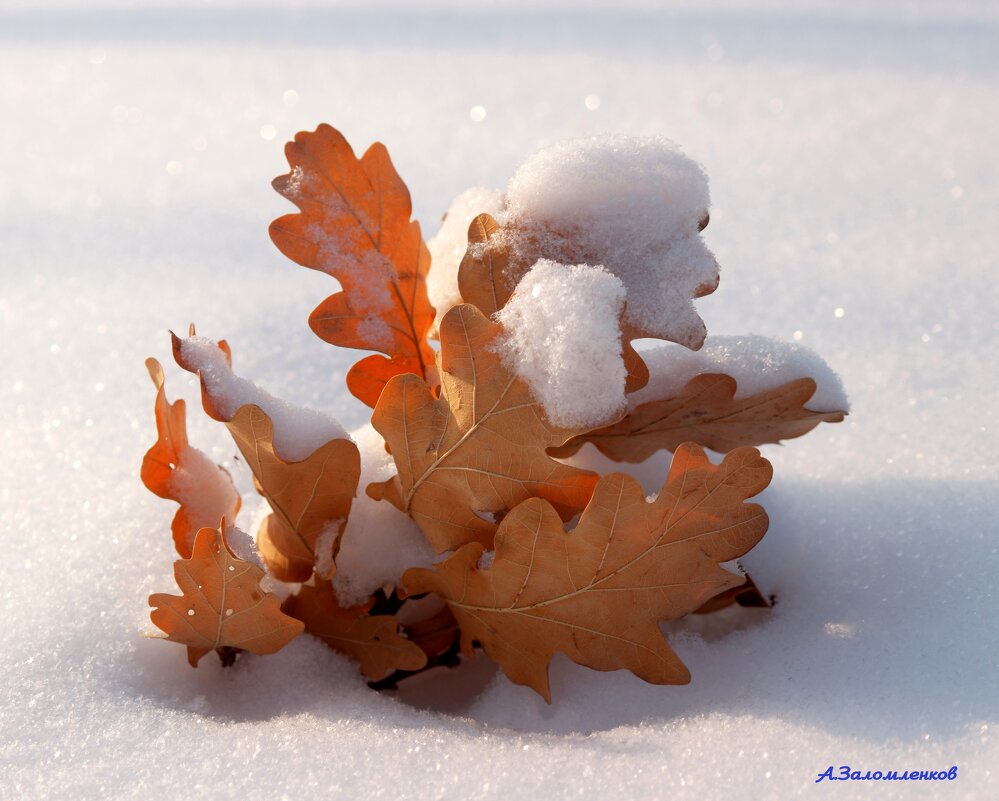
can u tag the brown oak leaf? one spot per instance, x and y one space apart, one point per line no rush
306 496
435 634
222 605
174 470
468 457
354 225
373 640
597 593
707 412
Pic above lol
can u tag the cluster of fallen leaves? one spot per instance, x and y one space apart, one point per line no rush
478 470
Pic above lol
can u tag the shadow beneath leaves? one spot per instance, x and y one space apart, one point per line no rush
884 630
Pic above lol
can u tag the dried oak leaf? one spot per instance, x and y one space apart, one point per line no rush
222 605
468 457
597 593
373 640
354 225
435 634
707 412
306 496
174 470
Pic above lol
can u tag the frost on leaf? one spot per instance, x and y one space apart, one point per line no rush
354 224
174 470
222 605
597 593
468 457
305 495
373 640
707 412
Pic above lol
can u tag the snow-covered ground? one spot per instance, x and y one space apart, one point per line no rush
854 179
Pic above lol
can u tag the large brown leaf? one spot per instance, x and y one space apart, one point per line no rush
354 225
307 496
174 470
468 457
706 412
222 605
373 640
598 593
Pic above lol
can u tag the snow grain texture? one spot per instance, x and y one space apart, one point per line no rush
563 337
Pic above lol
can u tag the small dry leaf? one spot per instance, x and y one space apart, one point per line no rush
706 412
306 496
354 225
468 457
486 279
174 470
222 604
435 634
746 595
598 593
373 640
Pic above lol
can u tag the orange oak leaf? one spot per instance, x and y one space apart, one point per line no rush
354 225
707 412
373 640
309 498
435 634
174 470
598 593
468 457
222 605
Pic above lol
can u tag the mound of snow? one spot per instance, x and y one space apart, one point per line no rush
380 542
633 204
564 338
756 363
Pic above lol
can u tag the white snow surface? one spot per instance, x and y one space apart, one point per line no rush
562 329
447 247
757 363
380 542
852 163
298 431
631 204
